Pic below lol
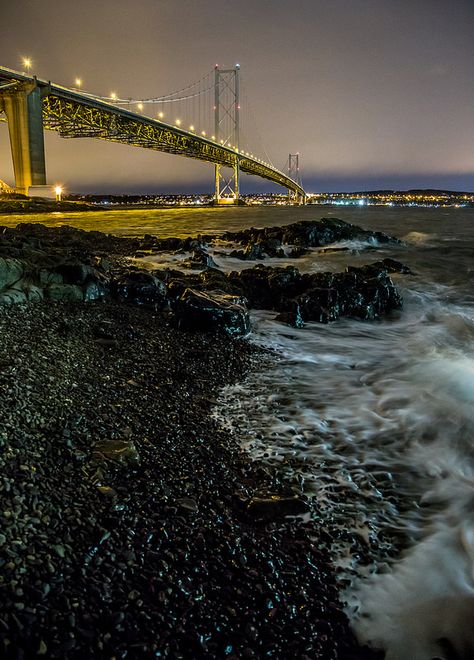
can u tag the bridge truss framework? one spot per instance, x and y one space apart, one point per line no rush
32 105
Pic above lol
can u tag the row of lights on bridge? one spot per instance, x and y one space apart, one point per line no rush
27 63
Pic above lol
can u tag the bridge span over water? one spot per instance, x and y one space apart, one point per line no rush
30 105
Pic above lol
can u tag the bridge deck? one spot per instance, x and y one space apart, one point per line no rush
75 114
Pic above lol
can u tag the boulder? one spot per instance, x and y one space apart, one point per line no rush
264 286
11 270
211 311
67 292
76 273
293 317
140 288
12 296
320 305
268 241
95 291
200 259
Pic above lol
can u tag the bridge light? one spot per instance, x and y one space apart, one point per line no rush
113 96
222 141
178 122
191 128
58 191
203 133
213 137
78 82
161 115
140 106
27 63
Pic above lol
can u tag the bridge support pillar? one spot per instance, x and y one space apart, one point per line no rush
227 185
294 173
296 199
23 108
227 130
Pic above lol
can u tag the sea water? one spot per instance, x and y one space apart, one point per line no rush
374 421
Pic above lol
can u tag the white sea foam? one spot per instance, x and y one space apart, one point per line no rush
375 422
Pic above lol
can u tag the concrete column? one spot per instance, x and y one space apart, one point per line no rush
23 107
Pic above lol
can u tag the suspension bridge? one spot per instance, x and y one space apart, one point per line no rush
209 120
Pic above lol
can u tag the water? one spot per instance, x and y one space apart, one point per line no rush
373 421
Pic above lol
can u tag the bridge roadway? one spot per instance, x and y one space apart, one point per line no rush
77 115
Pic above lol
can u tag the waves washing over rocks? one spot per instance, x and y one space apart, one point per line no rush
342 437
374 423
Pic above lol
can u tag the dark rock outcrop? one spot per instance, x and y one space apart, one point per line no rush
140 288
200 259
303 235
68 264
212 310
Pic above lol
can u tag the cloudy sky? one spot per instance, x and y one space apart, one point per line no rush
371 93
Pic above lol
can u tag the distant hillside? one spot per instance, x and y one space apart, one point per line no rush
414 191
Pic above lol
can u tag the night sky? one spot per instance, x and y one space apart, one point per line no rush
372 93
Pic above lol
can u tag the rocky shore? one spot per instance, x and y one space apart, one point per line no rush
19 204
131 524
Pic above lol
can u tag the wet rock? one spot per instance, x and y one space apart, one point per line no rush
42 649
123 451
259 250
76 273
394 266
95 291
11 270
211 311
293 317
297 252
187 503
320 305
274 507
265 286
12 296
140 288
66 292
301 235
46 277
200 259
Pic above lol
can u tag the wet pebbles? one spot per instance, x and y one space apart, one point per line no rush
131 526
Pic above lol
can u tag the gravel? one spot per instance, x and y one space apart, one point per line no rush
124 531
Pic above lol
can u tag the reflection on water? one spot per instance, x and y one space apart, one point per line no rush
186 221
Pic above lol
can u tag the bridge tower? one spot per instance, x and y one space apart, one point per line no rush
294 173
227 130
22 104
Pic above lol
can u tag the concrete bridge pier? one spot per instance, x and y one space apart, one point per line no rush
22 105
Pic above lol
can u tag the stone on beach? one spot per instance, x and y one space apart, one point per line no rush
212 310
140 288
